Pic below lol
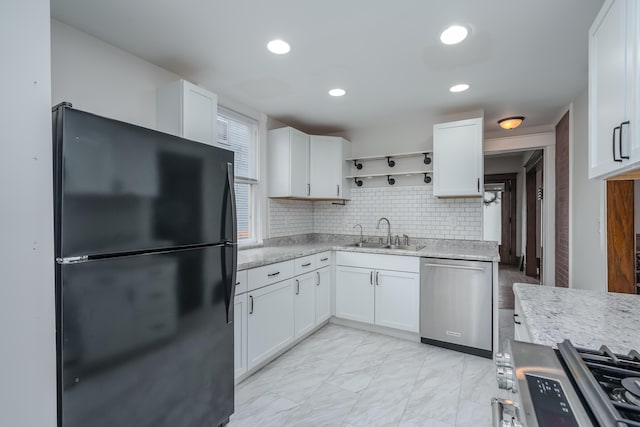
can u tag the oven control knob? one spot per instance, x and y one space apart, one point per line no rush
505 377
504 359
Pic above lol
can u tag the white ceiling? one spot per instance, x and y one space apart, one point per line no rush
522 57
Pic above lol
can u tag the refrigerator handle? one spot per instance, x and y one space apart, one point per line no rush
234 242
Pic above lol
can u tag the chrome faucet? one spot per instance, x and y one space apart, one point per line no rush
388 229
406 239
361 239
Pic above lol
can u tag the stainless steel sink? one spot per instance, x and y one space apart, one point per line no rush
366 245
379 246
404 247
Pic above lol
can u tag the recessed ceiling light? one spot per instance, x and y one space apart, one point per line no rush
511 122
454 34
278 47
459 87
337 92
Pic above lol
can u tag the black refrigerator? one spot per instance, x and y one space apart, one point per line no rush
146 251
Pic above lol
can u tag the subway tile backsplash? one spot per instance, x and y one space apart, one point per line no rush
411 210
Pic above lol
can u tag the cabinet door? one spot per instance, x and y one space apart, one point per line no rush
458 162
299 163
354 293
240 334
607 86
200 112
270 321
304 303
397 301
323 294
325 166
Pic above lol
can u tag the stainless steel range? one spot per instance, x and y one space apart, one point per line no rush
567 387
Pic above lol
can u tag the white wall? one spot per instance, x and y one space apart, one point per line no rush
102 79
27 316
587 241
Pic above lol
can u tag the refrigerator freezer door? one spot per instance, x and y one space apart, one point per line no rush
145 341
123 188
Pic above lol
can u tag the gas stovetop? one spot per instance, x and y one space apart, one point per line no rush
567 387
609 382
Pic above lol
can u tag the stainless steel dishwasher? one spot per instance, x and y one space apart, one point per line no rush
456 305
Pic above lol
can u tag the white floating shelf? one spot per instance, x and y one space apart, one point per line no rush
393 156
372 175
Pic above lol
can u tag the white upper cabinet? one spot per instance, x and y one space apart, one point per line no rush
614 143
186 110
288 163
307 167
458 165
328 168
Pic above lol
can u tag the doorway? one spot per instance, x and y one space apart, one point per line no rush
499 206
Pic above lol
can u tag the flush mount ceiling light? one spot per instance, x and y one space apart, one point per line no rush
454 34
510 122
459 88
279 47
337 92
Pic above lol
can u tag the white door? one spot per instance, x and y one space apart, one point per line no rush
607 87
270 321
240 334
354 293
299 163
323 294
200 112
325 166
397 300
458 161
304 302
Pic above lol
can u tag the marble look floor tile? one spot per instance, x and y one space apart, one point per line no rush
354 381
378 407
328 406
479 380
266 411
472 414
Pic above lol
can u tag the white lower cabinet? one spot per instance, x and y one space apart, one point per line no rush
397 300
520 331
323 294
304 303
382 297
270 321
354 294
240 334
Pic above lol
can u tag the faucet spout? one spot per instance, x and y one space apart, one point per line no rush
361 239
388 229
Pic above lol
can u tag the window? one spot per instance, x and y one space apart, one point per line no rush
239 134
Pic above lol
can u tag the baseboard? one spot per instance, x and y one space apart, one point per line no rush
396 333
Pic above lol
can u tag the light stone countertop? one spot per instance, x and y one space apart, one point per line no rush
434 248
588 318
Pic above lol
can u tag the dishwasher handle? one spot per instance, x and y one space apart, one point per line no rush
455 266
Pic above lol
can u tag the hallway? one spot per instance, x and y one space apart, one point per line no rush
507 276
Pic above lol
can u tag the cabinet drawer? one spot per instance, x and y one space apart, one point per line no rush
267 274
304 264
242 285
379 262
323 259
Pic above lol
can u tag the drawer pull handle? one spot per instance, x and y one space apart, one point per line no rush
297 287
324 259
318 274
251 304
273 274
306 265
515 321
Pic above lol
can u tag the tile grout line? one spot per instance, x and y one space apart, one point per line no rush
464 365
413 388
